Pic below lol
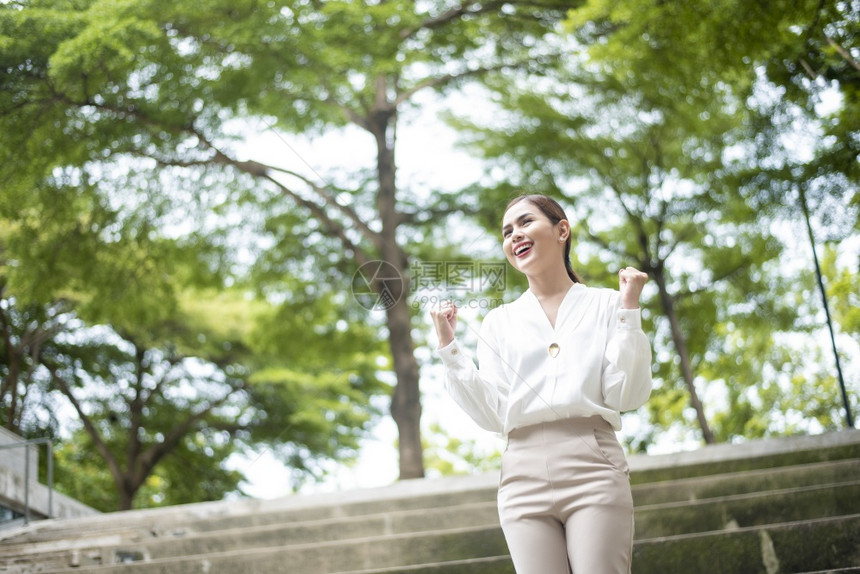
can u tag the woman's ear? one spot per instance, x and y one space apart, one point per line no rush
563 230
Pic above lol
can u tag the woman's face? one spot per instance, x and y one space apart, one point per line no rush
531 241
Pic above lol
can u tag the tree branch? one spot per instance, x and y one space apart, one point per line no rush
351 114
472 9
331 201
135 407
260 170
335 228
263 171
11 360
683 293
92 431
844 53
157 451
430 215
680 238
453 77
602 242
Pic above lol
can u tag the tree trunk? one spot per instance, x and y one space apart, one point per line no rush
9 384
406 399
681 347
125 493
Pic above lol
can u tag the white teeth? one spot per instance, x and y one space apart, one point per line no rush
522 248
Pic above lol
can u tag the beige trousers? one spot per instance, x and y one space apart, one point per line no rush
564 499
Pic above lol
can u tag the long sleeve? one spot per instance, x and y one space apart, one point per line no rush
483 393
627 361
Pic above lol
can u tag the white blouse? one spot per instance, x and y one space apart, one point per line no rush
596 361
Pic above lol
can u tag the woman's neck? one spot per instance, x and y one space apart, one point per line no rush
549 285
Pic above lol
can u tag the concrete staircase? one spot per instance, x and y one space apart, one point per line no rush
777 506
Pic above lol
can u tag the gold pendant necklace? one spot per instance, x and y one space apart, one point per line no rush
553 350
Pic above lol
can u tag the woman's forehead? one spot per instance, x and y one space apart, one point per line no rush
517 210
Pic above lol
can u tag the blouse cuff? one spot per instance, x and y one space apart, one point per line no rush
450 354
630 319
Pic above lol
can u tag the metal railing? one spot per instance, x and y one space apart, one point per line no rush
26 444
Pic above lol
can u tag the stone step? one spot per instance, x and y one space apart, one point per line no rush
805 546
750 509
319 558
408 495
450 491
408 526
651 521
207 517
88 551
729 483
823 545
752 455
503 565
149 539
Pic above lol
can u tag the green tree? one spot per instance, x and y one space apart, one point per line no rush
137 405
184 476
154 413
71 250
793 65
175 84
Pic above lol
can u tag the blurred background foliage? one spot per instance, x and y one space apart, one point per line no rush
171 298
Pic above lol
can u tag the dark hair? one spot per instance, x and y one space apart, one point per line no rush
555 213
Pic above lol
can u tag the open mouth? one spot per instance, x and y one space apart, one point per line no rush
523 248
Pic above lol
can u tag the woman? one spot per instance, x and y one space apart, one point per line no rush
557 367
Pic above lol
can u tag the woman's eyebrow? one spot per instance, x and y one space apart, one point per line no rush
519 219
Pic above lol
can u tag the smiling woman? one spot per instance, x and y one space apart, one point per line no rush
526 205
557 367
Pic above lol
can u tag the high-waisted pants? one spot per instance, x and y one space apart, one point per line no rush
564 499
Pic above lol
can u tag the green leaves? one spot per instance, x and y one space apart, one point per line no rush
104 51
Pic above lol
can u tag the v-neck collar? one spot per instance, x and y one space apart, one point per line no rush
561 305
